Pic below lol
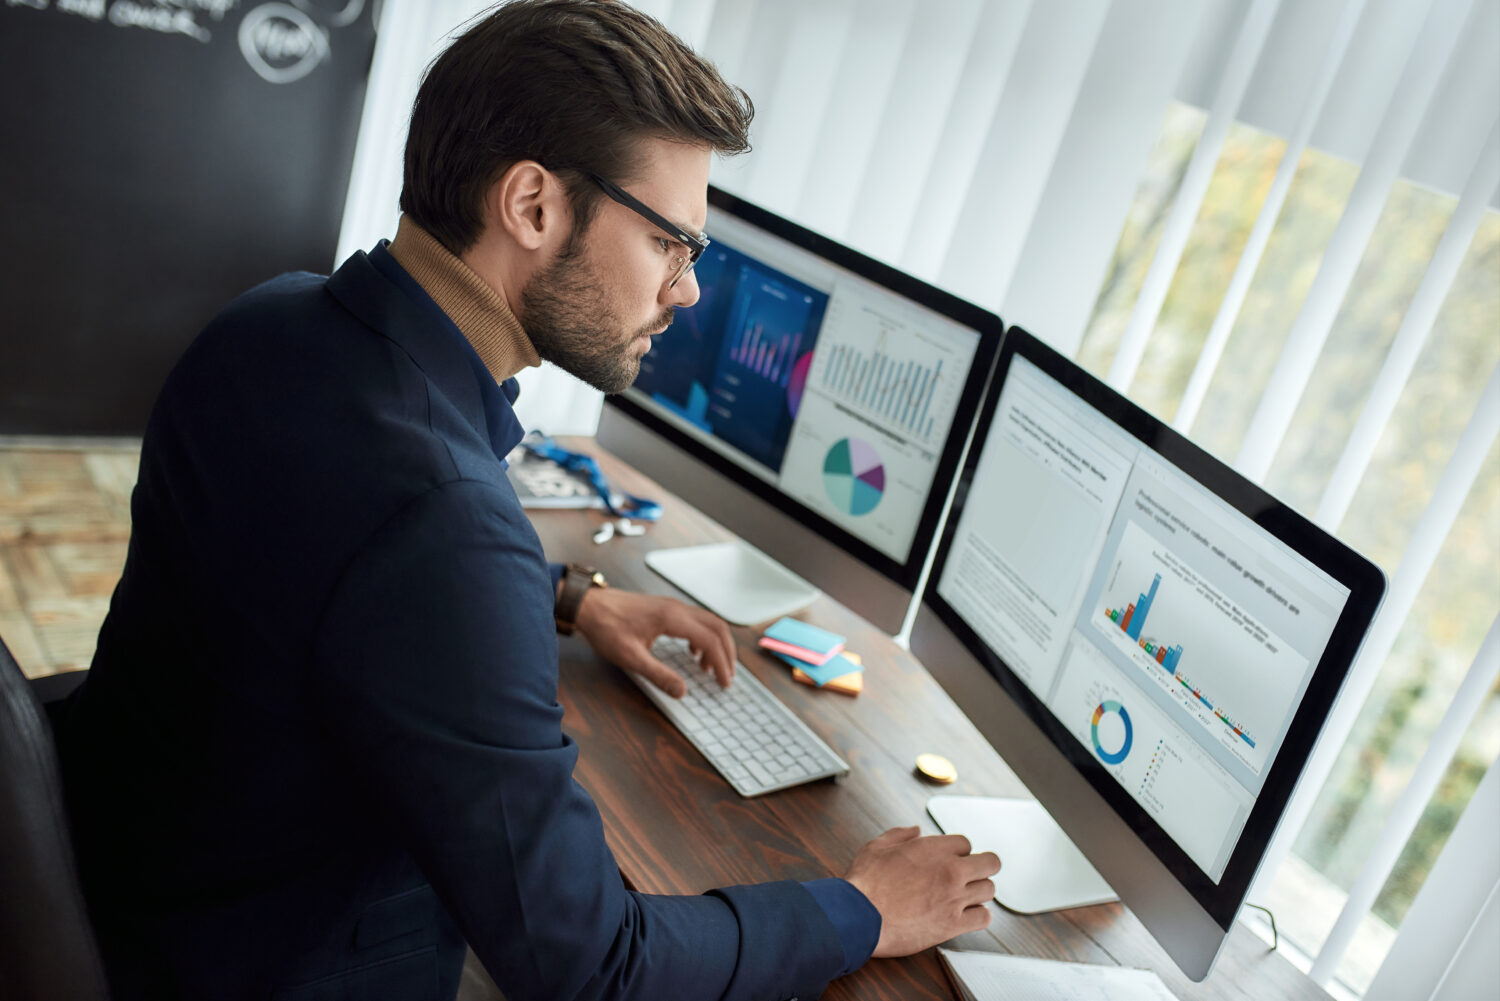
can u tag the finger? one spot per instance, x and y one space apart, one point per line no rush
980 865
721 638
702 637
666 679
898 835
978 891
727 639
656 672
950 844
974 918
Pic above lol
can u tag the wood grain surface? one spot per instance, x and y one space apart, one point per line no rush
677 827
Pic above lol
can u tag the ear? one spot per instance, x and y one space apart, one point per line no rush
529 203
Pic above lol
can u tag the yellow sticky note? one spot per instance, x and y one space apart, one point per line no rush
849 684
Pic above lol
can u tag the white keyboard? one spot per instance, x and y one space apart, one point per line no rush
744 731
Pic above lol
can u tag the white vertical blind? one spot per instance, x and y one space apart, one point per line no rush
968 144
727 37
1421 552
1020 146
1265 222
1484 183
1132 75
1435 954
1200 171
1408 809
1429 57
843 145
1475 968
907 139
799 99
690 20
749 45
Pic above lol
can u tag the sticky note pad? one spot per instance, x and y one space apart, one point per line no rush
800 653
800 640
849 684
799 633
821 674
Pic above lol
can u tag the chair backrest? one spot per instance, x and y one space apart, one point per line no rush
47 946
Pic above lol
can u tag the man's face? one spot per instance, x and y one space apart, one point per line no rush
593 310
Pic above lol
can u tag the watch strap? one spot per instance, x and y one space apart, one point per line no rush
577 581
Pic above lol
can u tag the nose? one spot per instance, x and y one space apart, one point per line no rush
684 293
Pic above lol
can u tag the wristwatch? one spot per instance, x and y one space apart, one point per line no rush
578 580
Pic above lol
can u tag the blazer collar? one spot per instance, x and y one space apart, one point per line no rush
378 291
480 312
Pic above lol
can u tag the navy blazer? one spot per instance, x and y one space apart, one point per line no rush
320 745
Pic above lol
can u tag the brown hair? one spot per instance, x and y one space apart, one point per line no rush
573 84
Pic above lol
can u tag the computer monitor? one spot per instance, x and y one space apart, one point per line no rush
834 389
1151 642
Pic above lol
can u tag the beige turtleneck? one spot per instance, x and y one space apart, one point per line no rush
478 310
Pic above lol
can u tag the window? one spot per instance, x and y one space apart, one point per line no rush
1460 597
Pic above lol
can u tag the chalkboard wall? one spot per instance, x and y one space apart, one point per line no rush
159 157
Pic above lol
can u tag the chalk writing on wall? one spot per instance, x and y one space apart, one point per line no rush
281 42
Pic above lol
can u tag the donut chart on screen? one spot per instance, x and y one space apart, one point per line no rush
854 476
1112 757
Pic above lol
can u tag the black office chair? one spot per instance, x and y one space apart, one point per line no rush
47 946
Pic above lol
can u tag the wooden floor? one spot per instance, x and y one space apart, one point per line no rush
64 526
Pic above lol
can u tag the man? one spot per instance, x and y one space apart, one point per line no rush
320 746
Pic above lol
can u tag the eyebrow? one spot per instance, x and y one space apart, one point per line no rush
697 233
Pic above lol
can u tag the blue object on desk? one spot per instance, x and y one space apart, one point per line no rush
821 674
799 633
619 503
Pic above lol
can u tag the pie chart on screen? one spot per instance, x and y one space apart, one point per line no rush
854 476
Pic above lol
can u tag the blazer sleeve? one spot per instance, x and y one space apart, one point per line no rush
435 676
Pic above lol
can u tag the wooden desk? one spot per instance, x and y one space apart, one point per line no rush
677 827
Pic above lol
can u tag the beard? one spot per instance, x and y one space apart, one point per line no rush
572 325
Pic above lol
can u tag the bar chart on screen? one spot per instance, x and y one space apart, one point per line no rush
1218 665
900 373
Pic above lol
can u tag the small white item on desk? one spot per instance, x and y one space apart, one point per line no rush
621 526
734 580
991 976
1040 867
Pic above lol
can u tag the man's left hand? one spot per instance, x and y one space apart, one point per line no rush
622 625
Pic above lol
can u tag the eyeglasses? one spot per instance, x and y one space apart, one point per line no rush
695 245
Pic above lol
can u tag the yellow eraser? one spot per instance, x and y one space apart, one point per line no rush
849 684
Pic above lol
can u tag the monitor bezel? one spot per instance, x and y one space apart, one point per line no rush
906 574
1365 581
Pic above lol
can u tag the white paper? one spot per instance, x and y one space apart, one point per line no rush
993 976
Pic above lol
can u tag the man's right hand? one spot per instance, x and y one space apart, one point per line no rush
927 890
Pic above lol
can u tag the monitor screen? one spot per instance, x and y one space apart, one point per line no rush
1177 632
813 374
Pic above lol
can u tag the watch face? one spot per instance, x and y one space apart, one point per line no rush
598 580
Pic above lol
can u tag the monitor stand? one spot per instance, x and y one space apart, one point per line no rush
735 581
1040 869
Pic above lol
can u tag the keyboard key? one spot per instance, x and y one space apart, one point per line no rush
748 735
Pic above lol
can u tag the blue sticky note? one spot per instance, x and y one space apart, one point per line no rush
799 633
836 667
